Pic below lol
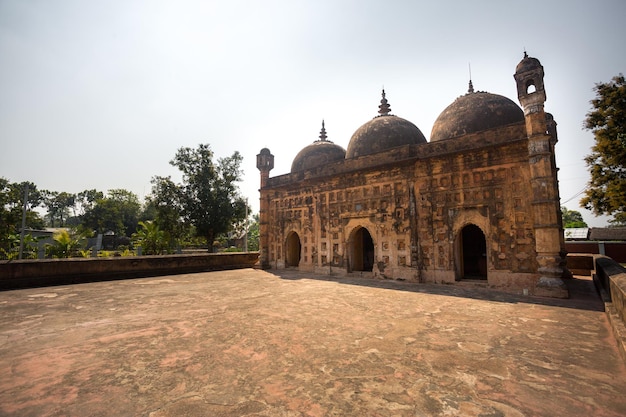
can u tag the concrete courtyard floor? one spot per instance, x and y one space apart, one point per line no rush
280 343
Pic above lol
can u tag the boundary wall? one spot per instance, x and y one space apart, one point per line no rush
615 250
38 273
610 279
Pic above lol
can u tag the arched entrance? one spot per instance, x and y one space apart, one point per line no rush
473 247
362 250
293 247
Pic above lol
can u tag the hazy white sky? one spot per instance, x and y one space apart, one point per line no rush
101 94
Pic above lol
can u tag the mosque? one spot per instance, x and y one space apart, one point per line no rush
479 202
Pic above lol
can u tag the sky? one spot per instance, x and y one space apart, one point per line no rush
101 94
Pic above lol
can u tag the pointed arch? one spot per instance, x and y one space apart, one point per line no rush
361 250
471 253
293 249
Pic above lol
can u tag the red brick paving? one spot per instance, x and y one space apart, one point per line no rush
253 343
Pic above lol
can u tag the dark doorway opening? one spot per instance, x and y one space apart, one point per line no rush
474 252
292 257
362 250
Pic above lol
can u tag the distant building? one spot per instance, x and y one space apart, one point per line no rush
608 234
577 233
479 201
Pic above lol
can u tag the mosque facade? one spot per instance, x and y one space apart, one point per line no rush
479 202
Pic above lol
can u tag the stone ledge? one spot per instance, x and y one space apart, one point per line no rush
619 329
45 272
610 280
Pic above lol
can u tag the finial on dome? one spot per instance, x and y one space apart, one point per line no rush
471 87
323 132
384 107
525 54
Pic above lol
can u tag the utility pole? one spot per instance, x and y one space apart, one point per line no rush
23 220
245 237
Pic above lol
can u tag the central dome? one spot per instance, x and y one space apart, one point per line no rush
384 132
317 154
475 112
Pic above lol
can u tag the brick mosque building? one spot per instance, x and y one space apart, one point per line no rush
479 201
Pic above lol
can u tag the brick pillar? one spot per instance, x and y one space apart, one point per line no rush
265 163
545 202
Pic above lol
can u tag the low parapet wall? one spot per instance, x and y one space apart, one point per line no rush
580 263
45 272
610 277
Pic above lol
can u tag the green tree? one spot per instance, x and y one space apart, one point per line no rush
65 244
606 193
253 234
166 201
618 220
11 208
210 195
85 200
58 205
117 212
572 218
29 248
151 238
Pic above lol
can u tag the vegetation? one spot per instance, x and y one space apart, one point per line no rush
606 192
151 239
209 196
66 244
117 212
205 207
572 218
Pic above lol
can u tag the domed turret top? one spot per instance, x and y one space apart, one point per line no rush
384 132
318 153
527 64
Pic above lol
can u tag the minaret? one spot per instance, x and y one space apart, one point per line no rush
265 163
546 210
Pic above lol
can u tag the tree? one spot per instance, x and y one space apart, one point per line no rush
117 212
166 201
85 200
58 205
606 192
618 220
153 241
210 196
253 234
65 244
572 218
11 208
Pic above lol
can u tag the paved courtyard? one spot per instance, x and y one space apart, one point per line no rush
258 343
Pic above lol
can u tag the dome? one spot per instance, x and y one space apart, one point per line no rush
527 64
384 132
475 112
318 153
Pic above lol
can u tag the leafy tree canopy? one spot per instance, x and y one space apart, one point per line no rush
165 205
606 192
210 195
572 218
11 208
117 212
58 205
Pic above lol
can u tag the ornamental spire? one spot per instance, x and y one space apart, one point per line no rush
323 133
384 107
471 86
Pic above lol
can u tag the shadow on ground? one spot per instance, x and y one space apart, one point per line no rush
583 294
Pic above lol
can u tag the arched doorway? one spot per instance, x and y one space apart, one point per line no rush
362 250
293 248
473 253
